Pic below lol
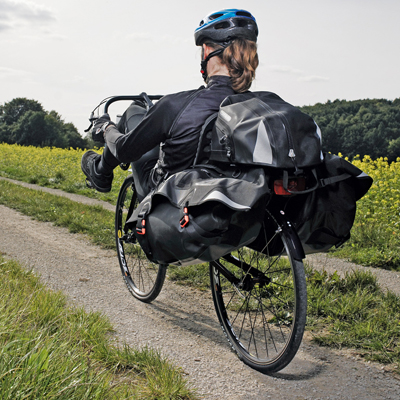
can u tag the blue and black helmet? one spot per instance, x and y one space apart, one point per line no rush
226 25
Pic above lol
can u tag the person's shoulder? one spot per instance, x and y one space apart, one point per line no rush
182 94
178 99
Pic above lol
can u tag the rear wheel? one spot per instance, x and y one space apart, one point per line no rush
143 278
261 301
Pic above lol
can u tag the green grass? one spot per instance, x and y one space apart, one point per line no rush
49 350
354 312
197 276
94 221
372 245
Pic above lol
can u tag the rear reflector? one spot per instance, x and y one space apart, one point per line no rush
294 185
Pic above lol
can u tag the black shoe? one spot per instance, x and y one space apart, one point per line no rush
101 183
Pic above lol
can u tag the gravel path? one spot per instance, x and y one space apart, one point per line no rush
182 322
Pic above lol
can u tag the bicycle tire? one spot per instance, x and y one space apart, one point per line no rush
263 318
143 278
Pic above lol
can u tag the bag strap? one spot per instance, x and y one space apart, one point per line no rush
286 183
320 183
334 179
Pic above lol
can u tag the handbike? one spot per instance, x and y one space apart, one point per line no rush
259 292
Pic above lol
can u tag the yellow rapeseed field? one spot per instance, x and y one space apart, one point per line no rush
50 166
382 202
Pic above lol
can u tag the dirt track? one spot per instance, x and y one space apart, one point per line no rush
183 325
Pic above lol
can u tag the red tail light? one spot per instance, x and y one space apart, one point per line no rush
294 185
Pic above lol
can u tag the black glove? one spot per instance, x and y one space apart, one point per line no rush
99 127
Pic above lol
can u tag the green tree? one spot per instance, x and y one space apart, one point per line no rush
394 149
25 122
54 131
364 127
73 137
12 111
30 129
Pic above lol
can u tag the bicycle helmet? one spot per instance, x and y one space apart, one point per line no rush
225 25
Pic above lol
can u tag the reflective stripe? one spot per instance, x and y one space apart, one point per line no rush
215 195
262 151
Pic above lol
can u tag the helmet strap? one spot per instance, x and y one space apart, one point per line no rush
205 62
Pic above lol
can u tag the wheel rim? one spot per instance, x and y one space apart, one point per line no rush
259 314
140 275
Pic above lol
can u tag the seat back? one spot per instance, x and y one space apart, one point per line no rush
203 148
130 119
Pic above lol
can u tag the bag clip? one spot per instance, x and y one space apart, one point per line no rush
141 225
141 221
185 219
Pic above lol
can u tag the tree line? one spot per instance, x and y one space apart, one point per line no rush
360 127
25 122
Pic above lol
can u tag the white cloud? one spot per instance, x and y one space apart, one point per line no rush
14 13
285 69
152 37
140 36
6 73
313 78
4 26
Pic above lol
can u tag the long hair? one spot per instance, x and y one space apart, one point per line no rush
241 59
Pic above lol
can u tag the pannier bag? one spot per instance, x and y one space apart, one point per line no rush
260 128
201 214
324 217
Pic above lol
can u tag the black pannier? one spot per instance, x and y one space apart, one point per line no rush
201 214
324 217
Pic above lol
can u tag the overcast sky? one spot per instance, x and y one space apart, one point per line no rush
70 54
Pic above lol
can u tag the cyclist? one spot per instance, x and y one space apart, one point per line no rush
164 139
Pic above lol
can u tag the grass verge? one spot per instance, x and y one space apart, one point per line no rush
354 312
50 350
94 221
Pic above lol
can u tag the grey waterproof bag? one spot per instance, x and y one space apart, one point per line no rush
259 128
201 214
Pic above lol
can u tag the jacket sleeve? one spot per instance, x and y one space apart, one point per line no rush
149 133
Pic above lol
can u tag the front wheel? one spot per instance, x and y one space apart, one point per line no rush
143 278
261 301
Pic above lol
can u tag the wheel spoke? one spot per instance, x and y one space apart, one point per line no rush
258 311
143 278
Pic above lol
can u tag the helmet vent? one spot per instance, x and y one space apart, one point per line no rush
222 25
215 16
243 14
241 23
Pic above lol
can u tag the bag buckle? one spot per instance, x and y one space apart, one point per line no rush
185 219
141 221
141 224
141 230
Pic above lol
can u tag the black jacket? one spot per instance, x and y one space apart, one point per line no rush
174 123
